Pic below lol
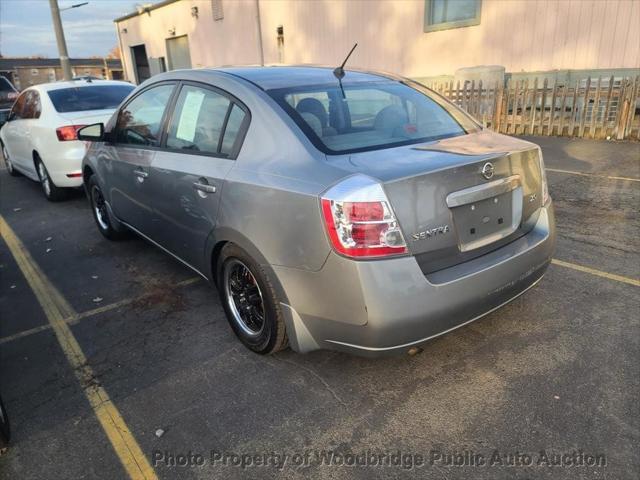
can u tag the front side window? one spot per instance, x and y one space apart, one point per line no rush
84 98
204 121
371 116
140 121
445 14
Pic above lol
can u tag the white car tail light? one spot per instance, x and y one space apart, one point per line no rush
68 132
359 219
543 179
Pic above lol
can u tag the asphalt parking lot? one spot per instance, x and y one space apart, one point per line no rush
557 370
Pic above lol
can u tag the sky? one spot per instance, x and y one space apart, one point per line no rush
26 28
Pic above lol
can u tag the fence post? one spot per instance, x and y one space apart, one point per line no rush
514 108
504 122
480 105
552 111
595 110
543 105
632 107
534 100
583 117
497 105
563 107
574 109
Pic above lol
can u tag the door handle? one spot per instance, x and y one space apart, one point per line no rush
203 186
141 174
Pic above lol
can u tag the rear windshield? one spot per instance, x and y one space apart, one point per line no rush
371 116
94 97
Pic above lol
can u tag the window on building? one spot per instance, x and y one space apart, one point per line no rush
445 14
140 121
204 121
34 72
216 7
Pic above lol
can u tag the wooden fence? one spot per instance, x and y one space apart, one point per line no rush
591 108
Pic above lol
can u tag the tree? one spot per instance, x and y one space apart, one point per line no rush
114 53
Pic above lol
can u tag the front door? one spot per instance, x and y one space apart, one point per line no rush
136 138
203 139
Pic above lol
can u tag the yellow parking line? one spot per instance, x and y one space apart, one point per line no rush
584 174
598 273
57 309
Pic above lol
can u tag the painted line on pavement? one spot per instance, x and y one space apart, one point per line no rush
597 273
583 174
57 309
73 320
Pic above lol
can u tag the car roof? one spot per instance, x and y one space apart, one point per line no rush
274 77
47 87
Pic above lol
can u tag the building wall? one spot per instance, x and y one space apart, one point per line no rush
23 77
521 35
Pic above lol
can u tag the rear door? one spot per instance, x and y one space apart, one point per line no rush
22 131
11 132
203 138
135 140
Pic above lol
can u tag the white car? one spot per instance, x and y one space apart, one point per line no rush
39 138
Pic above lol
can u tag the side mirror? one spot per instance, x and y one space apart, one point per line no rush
92 133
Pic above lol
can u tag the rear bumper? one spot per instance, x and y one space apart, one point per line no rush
385 307
67 160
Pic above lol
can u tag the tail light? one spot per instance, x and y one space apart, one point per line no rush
69 132
543 179
359 220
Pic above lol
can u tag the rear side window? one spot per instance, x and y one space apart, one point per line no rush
140 121
93 97
18 106
204 121
32 107
370 116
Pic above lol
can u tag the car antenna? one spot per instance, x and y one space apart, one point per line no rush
339 71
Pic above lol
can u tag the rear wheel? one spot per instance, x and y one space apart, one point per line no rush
250 301
101 213
7 161
51 191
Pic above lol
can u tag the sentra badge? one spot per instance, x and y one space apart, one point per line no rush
432 232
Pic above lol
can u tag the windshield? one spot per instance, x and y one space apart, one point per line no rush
371 116
94 97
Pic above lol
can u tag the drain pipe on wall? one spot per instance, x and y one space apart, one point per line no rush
259 32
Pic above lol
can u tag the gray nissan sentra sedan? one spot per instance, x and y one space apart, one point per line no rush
366 214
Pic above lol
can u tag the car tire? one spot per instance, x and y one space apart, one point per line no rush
101 213
51 191
5 429
250 301
7 161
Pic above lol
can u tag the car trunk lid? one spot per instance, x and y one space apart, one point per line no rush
448 210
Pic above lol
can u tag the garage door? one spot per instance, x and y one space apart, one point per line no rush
178 53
